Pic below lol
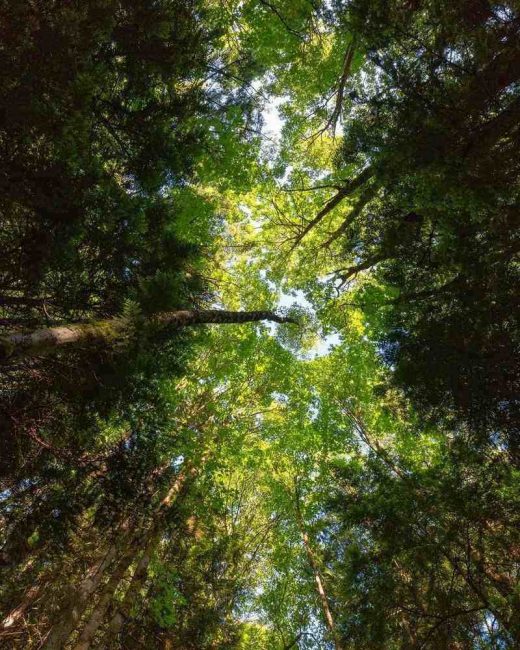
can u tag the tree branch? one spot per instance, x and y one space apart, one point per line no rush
280 17
349 188
365 197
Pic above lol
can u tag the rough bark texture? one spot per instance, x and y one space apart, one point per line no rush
98 613
185 317
43 340
17 613
189 472
136 583
16 301
40 341
72 613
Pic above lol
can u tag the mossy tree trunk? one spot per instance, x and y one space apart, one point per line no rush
114 330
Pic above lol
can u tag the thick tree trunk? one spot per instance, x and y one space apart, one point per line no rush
44 340
189 472
138 579
16 301
71 616
114 329
17 613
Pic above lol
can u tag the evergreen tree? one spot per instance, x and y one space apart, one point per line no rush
336 473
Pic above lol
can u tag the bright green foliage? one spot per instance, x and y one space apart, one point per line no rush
347 482
433 122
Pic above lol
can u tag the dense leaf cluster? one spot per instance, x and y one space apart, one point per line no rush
343 477
437 129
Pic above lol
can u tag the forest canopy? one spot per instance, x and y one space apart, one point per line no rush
259 338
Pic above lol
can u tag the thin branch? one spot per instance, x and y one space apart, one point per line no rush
325 186
373 444
350 187
280 17
352 271
332 122
365 197
292 643
340 93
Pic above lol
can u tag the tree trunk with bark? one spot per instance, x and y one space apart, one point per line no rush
70 618
18 612
139 577
23 301
98 613
112 330
122 612
72 614
320 587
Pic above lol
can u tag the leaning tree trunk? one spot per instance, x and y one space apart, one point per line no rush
168 502
97 615
115 329
71 616
61 631
24 301
139 577
12 618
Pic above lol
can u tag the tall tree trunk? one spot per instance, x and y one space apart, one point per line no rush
16 614
122 611
98 613
320 587
60 632
73 613
114 329
141 571
16 301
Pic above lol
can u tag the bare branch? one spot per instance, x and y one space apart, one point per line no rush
332 122
345 274
365 197
325 186
347 64
350 187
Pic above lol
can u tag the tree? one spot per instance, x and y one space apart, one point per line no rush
95 90
114 330
349 482
435 111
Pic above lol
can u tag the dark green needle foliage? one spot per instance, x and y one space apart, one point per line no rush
177 473
99 125
420 564
99 106
438 128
